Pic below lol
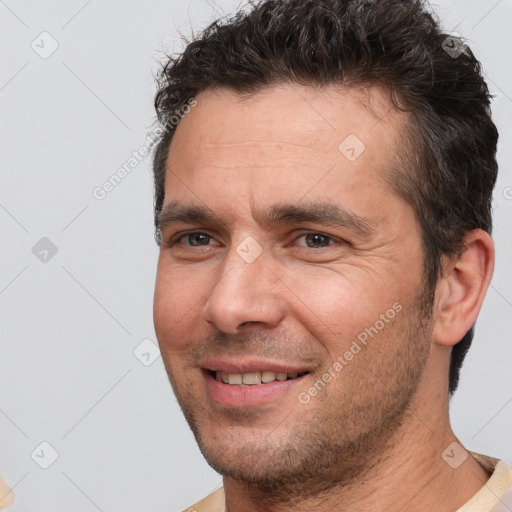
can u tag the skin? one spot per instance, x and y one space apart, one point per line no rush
372 438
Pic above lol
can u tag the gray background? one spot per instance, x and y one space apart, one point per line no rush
70 322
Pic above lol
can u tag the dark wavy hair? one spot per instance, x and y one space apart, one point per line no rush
449 164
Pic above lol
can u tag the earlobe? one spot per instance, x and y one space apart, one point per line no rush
462 288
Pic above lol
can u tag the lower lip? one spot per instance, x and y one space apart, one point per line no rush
248 396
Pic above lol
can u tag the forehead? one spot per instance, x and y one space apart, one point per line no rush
284 111
288 141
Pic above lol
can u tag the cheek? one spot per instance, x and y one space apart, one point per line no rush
175 307
336 307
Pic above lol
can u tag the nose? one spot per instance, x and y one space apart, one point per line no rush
245 293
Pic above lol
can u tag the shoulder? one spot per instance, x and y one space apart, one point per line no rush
496 494
212 503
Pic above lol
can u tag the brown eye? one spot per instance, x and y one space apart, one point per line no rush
317 240
196 239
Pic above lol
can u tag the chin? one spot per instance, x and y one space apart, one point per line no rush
248 454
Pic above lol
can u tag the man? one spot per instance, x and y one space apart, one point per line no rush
323 209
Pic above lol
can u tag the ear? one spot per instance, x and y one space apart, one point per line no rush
461 289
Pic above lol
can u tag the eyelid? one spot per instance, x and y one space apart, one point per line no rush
333 238
178 236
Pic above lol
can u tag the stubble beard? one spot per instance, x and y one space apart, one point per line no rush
332 447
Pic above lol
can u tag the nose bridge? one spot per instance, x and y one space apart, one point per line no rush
245 291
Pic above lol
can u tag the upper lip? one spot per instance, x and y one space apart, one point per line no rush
250 366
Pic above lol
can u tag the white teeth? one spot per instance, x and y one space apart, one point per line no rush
253 378
268 376
235 378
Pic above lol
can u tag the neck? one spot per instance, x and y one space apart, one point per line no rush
410 474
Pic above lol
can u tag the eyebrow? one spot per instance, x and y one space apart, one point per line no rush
318 212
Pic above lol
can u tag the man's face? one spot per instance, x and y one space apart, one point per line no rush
263 290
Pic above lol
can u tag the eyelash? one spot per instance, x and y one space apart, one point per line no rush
176 239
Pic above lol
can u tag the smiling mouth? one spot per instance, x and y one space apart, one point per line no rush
253 378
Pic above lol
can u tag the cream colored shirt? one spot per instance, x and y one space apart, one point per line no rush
494 496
